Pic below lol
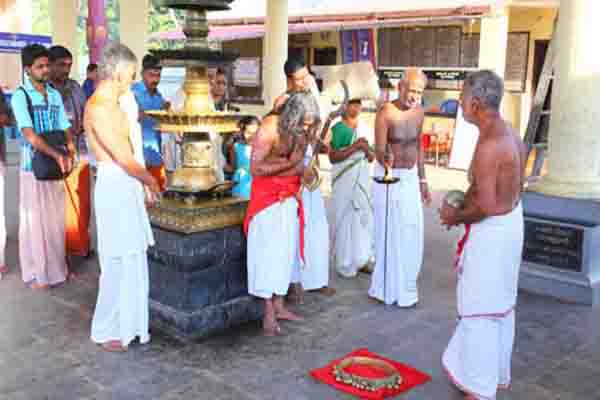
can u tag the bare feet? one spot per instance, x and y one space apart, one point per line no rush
296 294
39 286
375 300
366 269
287 315
409 306
271 328
327 291
114 346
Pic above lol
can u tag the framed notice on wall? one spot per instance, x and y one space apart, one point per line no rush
247 72
517 55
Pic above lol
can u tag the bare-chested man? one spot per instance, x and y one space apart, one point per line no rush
479 354
124 232
274 221
315 277
397 145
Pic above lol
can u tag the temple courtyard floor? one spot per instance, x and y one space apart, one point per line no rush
46 353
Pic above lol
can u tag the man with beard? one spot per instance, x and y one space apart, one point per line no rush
42 203
275 220
398 128
77 184
314 274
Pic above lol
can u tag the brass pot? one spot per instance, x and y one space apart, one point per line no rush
455 198
193 179
197 173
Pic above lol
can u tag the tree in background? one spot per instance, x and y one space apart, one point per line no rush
160 19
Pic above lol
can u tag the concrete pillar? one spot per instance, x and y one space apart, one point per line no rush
494 41
133 26
63 18
275 50
574 143
97 29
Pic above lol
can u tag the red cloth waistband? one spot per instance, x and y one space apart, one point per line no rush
461 246
268 190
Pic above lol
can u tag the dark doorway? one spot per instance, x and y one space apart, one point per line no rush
297 53
326 56
539 56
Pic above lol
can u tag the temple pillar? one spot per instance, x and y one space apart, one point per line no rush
63 17
275 50
493 43
134 26
574 143
561 253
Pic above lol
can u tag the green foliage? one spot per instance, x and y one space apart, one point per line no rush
160 19
41 18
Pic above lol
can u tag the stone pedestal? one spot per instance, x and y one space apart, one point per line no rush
198 283
561 253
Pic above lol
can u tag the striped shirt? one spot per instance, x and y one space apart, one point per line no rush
48 115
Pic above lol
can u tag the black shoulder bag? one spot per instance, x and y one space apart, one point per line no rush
45 167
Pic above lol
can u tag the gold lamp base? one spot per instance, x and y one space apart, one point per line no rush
203 215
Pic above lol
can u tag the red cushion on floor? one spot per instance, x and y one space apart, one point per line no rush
410 376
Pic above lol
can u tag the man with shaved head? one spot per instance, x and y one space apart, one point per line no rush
398 126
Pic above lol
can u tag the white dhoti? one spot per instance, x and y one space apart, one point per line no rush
315 272
353 213
272 249
404 239
124 235
478 356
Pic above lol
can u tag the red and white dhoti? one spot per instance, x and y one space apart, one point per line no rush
478 356
274 226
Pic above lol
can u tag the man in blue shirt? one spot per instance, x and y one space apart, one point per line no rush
149 98
89 85
42 203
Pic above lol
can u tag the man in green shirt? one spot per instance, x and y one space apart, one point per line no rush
350 156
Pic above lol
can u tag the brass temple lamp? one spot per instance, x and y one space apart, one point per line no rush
198 118
191 203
